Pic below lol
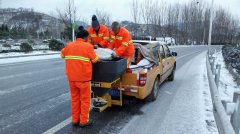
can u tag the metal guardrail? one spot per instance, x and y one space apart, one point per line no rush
235 116
29 55
222 120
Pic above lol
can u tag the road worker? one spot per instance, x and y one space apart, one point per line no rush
79 56
98 34
121 41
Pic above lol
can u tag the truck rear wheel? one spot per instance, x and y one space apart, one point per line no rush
154 93
172 75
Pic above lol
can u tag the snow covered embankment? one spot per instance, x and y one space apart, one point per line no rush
22 54
227 85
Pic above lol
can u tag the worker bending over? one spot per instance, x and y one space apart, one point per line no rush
79 56
121 41
98 34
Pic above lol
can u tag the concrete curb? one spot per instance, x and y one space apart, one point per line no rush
28 55
222 120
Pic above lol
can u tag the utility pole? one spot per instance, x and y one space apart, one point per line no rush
203 36
210 28
9 34
73 23
73 31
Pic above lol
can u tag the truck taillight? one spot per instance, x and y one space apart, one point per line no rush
129 71
142 79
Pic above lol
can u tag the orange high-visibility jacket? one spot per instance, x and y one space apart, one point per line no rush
101 38
79 57
122 42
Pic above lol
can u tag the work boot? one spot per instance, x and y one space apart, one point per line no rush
99 102
75 124
90 122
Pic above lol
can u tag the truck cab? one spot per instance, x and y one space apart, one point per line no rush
143 82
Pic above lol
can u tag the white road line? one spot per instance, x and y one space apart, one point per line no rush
68 120
61 125
30 85
30 73
168 92
33 61
186 55
23 60
58 126
21 116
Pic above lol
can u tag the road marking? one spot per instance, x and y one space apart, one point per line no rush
168 92
186 55
37 61
61 125
30 85
58 126
27 113
30 73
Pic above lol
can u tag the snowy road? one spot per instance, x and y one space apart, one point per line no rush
34 97
180 107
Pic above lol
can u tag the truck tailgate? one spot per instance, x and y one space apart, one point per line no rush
129 79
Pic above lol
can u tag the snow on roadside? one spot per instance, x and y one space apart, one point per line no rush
24 54
176 46
227 85
30 58
207 102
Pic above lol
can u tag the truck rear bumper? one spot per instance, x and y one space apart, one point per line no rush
135 91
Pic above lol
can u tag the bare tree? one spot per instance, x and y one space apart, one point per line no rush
136 16
188 22
67 17
185 20
176 13
146 13
162 18
155 19
104 17
170 20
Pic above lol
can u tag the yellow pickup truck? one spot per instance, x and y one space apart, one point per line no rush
111 80
143 82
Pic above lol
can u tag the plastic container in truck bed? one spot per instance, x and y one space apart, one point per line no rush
109 70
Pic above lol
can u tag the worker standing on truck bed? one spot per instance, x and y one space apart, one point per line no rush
121 41
98 34
79 56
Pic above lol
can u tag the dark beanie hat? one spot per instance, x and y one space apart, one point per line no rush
95 21
82 33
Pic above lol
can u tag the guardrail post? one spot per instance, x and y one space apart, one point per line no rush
217 74
235 118
212 62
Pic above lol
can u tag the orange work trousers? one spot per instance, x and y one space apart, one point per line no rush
80 101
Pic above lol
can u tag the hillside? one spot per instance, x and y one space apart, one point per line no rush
29 19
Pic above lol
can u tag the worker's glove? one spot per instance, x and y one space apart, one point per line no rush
95 46
114 55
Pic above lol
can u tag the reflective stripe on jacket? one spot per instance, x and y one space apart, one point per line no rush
79 56
122 42
102 37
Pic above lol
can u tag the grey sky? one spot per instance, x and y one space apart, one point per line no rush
119 9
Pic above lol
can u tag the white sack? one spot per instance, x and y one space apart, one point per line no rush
143 62
104 54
